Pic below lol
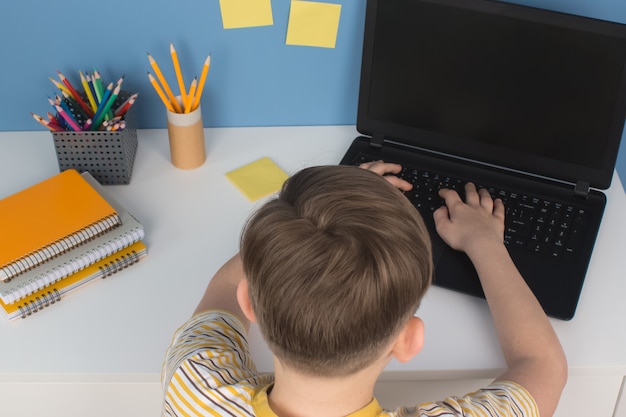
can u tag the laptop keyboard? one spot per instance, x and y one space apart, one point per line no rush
537 224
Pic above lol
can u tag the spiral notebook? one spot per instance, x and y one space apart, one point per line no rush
50 295
74 260
50 218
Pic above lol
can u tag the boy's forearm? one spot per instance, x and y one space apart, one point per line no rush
221 293
531 348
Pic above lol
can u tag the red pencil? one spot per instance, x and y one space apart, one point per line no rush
123 108
54 122
75 94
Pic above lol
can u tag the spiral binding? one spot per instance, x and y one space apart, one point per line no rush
52 296
32 259
118 264
43 280
44 300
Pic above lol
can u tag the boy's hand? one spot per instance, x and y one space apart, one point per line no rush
473 225
385 168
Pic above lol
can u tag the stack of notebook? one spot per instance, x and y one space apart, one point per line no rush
58 236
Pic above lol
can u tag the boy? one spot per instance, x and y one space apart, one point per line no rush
333 271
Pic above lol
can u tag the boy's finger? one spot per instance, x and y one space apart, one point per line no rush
367 165
441 215
381 167
399 182
498 208
471 195
486 200
450 196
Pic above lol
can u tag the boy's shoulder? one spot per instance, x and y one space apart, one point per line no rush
208 366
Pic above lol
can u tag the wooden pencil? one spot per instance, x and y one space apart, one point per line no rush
170 95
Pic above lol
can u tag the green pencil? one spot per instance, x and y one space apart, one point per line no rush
106 108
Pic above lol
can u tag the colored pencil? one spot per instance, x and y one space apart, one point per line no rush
170 94
192 91
123 108
59 85
54 102
65 104
179 74
68 118
45 122
52 118
160 92
73 93
205 71
88 93
54 122
106 95
92 89
109 114
97 85
105 105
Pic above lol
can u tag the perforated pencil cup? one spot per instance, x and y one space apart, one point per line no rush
107 155
186 137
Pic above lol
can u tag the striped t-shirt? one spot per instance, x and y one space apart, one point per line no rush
208 372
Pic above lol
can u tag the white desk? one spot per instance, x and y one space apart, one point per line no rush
117 330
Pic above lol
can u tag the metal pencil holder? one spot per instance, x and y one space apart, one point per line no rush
107 155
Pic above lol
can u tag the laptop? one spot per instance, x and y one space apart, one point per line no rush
525 102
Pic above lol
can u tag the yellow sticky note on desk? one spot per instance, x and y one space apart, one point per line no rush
313 24
258 179
246 13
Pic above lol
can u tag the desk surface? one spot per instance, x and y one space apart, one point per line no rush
123 325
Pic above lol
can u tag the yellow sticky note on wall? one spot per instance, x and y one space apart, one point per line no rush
246 13
313 24
258 179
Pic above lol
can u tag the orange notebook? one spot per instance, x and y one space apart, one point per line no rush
50 218
47 296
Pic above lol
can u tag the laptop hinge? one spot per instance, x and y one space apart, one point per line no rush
377 141
582 189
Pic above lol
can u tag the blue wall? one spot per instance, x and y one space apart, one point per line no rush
255 78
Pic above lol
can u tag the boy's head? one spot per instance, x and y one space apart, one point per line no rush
336 265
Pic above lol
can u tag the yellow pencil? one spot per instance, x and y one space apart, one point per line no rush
192 91
166 86
205 71
179 74
92 100
60 86
160 92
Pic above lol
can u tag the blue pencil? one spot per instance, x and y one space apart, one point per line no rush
101 107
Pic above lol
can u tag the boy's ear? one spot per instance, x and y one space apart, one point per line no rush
243 298
410 340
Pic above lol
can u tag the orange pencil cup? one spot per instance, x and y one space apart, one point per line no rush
186 136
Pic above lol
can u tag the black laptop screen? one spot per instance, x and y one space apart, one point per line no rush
508 85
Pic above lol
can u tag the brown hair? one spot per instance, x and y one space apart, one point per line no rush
336 265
